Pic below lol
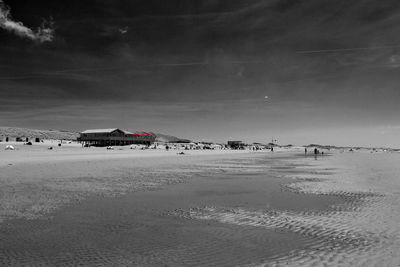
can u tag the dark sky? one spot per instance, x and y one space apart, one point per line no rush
201 69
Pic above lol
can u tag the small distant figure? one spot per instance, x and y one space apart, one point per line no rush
50 148
272 148
59 144
315 151
305 151
167 147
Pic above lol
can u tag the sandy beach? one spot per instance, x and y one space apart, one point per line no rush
35 180
200 133
94 207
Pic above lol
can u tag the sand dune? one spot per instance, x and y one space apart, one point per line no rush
13 132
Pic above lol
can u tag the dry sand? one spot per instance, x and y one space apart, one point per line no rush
221 208
35 180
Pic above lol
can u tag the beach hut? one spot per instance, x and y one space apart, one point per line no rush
236 145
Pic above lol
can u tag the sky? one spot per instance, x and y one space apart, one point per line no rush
200 69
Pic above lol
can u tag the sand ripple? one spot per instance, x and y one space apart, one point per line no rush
362 232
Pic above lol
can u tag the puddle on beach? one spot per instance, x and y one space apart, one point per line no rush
136 229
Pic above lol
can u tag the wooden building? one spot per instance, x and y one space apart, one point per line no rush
114 137
236 144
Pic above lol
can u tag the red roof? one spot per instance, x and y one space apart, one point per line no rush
143 134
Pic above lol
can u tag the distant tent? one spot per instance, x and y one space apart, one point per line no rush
9 147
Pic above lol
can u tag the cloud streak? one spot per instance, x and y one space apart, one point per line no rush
44 33
347 49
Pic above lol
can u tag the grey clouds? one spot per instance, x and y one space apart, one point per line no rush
201 69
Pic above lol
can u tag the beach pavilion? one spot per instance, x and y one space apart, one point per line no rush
114 137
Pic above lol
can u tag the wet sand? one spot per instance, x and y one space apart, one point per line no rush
221 209
143 229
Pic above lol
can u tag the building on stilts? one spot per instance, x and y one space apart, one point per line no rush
115 137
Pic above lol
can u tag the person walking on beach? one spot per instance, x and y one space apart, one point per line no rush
316 153
305 151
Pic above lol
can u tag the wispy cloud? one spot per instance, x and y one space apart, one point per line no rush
44 33
347 49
